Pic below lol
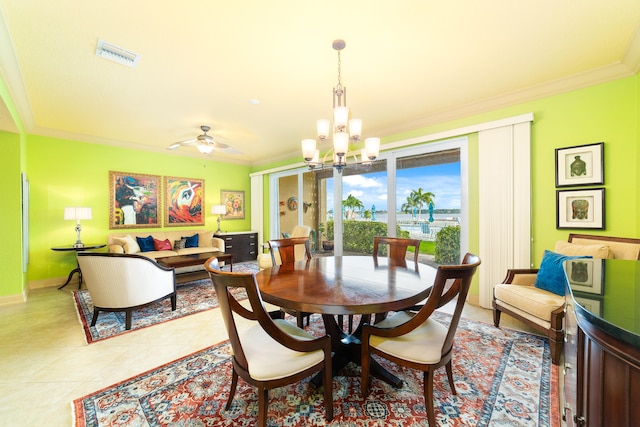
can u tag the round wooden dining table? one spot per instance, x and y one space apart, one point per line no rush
346 285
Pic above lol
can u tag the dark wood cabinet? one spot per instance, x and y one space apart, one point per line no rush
242 245
601 367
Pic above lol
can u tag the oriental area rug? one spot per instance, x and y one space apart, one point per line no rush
503 378
193 297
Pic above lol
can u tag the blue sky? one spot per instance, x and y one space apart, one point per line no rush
442 180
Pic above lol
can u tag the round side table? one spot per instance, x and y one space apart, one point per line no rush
77 269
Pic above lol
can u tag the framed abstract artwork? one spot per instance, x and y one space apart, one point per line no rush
234 203
183 201
133 200
580 209
580 165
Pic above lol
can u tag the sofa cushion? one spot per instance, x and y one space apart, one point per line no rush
129 243
191 241
599 250
162 245
179 244
551 274
205 239
146 244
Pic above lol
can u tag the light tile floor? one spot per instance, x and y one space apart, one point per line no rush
45 362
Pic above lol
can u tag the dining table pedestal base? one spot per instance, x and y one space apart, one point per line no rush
347 348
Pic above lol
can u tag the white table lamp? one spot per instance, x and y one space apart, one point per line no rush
77 213
218 210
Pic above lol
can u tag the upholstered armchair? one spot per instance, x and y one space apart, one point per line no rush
522 298
125 282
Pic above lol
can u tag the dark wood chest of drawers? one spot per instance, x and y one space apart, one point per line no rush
243 246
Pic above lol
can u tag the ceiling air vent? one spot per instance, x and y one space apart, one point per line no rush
116 54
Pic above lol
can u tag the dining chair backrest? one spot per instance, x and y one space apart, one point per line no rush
223 283
286 248
396 249
452 281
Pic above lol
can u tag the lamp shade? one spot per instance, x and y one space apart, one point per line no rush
308 149
77 213
218 209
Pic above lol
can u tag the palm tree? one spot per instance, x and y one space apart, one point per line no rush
351 205
419 197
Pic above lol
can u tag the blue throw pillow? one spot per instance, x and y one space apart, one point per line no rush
146 244
191 242
551 274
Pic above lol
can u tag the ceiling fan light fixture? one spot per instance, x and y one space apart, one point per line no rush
205 148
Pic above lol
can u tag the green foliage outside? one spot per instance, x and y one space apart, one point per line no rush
448 246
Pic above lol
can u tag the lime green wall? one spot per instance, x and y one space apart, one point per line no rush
67 173
11 216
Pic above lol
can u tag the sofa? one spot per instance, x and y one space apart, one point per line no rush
166 243
522 296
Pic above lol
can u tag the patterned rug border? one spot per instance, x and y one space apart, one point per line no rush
84 312
548 413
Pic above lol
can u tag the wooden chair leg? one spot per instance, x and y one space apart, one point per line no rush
263 400
364 378
496 317
300 320
174 301
232 390
127 319
95 316
428 397
450 376
327 383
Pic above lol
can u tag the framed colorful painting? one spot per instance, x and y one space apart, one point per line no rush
234 202
133 200
183 201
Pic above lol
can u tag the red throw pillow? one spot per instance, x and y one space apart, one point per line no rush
162 245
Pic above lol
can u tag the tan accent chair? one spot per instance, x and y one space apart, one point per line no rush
417 341
125 282
543 310
269 353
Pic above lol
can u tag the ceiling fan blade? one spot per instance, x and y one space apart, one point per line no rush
174 146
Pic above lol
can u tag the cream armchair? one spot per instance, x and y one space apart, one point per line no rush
125 282
264 259
543 310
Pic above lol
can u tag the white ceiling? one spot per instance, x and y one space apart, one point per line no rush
407 64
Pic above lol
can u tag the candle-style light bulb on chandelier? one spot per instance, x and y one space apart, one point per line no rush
344 130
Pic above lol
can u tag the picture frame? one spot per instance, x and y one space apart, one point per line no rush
234 202
581 209
585 275
580 165
134 200
183 201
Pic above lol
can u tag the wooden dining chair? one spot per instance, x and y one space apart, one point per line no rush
417 341
396 250
286 250
269 353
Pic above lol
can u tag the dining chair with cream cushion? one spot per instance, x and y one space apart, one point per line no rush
417 341
268 353
125 282
265 260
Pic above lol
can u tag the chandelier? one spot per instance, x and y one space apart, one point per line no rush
344 130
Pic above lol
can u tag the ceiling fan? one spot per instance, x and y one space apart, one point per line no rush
205 143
